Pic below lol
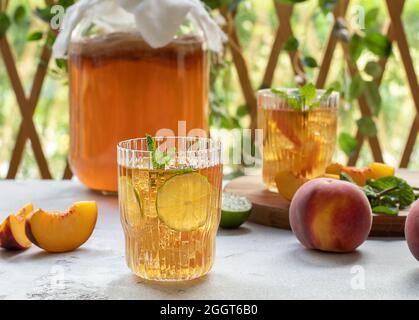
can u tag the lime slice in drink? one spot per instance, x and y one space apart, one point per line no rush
183 201
130 200
235 210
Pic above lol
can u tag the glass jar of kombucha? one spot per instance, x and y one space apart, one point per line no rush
121 88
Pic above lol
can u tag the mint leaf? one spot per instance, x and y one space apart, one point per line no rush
151 146
369 192
308 92
402 192
392 211
163 158
303 99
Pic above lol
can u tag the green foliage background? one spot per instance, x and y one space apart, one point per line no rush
256 21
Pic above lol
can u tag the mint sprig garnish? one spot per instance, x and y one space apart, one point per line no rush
159 159
386 195
303 99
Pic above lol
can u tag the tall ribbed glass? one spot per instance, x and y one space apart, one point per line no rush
297 141
169 202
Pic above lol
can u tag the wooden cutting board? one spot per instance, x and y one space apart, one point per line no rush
270 209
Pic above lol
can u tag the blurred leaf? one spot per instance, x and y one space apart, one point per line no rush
61 64
20 14
336 86
66 3
4 24
372 94
44 14
215 4
371 17
373 68
290 1
233 4
357 87
367 126
378 43
310 62
291 44
228 122
243 110
34 36
356 46
347 143
327 5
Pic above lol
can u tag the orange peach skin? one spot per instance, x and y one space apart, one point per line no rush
12 230
330 215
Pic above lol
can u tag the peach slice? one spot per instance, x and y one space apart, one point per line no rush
288 184
12 230
334 168
380 170
360 176
61 232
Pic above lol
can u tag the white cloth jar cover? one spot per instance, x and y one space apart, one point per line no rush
157 21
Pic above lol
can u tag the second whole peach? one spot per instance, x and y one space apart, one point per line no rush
330 215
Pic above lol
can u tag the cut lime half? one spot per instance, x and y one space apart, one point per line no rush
130 200
184 201
235 210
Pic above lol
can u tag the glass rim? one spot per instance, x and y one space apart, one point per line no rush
270 97
214 145
291 91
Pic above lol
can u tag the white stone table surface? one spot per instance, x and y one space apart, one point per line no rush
253 262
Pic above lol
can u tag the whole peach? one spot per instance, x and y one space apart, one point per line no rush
411 229
330 215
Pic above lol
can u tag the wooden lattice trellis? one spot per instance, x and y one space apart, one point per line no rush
394 30
396 34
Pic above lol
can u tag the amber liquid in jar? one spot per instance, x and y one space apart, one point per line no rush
121 88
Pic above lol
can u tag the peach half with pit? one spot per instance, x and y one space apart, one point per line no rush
12 230
62 231
330 215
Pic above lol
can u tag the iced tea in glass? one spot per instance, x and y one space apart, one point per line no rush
169 198
300 141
